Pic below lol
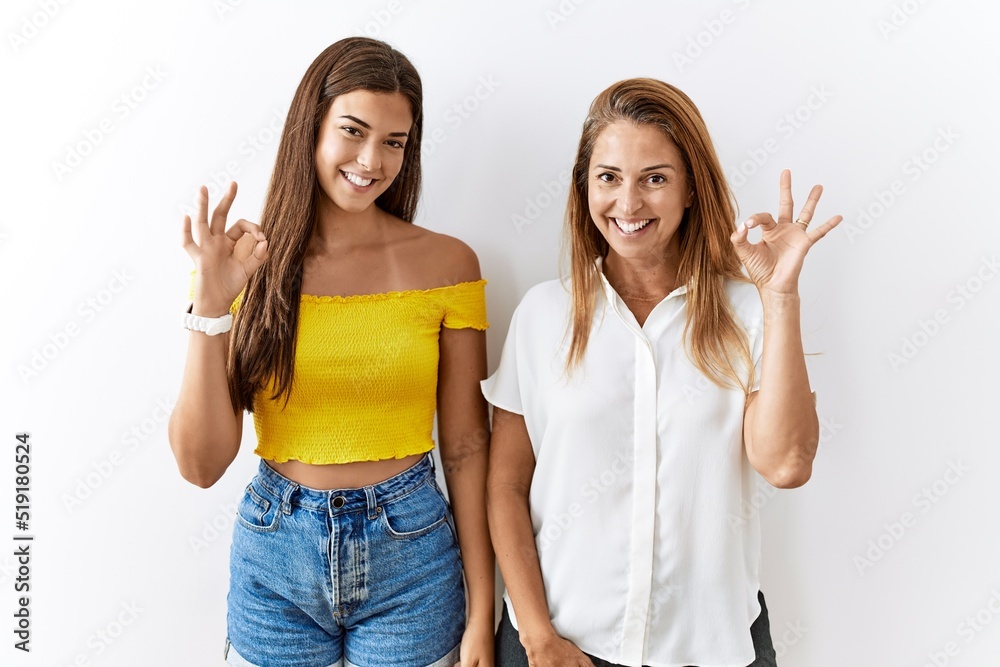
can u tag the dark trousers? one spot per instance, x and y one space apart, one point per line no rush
510 653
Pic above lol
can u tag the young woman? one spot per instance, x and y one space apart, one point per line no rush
350 327
636 407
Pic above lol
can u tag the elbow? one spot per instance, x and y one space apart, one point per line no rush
788 476
200 478
195 471
192 466
502 496
785 463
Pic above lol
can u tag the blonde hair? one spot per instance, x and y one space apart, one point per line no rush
713 335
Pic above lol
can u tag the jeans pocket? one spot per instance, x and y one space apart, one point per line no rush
415 514
256 513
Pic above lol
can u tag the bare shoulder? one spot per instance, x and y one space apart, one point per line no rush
444 260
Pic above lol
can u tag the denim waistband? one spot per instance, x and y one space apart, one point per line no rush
340 501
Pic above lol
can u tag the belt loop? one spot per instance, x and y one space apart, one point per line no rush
373 509
286 497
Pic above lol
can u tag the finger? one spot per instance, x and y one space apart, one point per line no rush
244 247
819 232
201 230
785 203
257 257
739 237
241 227
222 210
187 241
810 206
762 220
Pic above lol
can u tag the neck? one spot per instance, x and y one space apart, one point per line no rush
642 278
338 229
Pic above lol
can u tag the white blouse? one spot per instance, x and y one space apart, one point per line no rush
641 484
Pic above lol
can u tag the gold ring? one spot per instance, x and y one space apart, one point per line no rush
800 221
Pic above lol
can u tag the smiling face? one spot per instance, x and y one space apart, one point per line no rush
359 150
637 191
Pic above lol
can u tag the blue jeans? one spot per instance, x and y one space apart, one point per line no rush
347 577
510 653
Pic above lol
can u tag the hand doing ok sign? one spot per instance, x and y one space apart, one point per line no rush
224 260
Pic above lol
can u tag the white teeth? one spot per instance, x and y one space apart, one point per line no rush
357 180
630 227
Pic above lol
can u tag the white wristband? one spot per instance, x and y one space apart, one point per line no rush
211 326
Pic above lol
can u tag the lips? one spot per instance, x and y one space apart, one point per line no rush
629 227
360 183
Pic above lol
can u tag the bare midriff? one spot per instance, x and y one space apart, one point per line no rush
344 475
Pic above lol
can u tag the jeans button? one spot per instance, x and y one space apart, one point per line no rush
338 502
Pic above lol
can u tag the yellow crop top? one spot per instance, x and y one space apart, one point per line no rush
365 381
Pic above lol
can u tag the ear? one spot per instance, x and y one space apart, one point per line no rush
690 199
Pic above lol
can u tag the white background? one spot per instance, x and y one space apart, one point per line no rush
121 538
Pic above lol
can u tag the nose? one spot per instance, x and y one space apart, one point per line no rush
629 198
368 158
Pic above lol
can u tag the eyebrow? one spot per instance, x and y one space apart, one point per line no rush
655 166
368 127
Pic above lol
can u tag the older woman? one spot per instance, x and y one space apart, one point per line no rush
634 412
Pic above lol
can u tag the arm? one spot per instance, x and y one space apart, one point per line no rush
512 466
464 437
781 428
204 429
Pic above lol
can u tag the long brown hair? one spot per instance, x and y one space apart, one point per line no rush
713 336
262 345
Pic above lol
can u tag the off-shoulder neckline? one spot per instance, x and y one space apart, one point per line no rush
381 296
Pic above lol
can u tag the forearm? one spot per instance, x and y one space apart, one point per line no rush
466 477
517 555
204 430
785 428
